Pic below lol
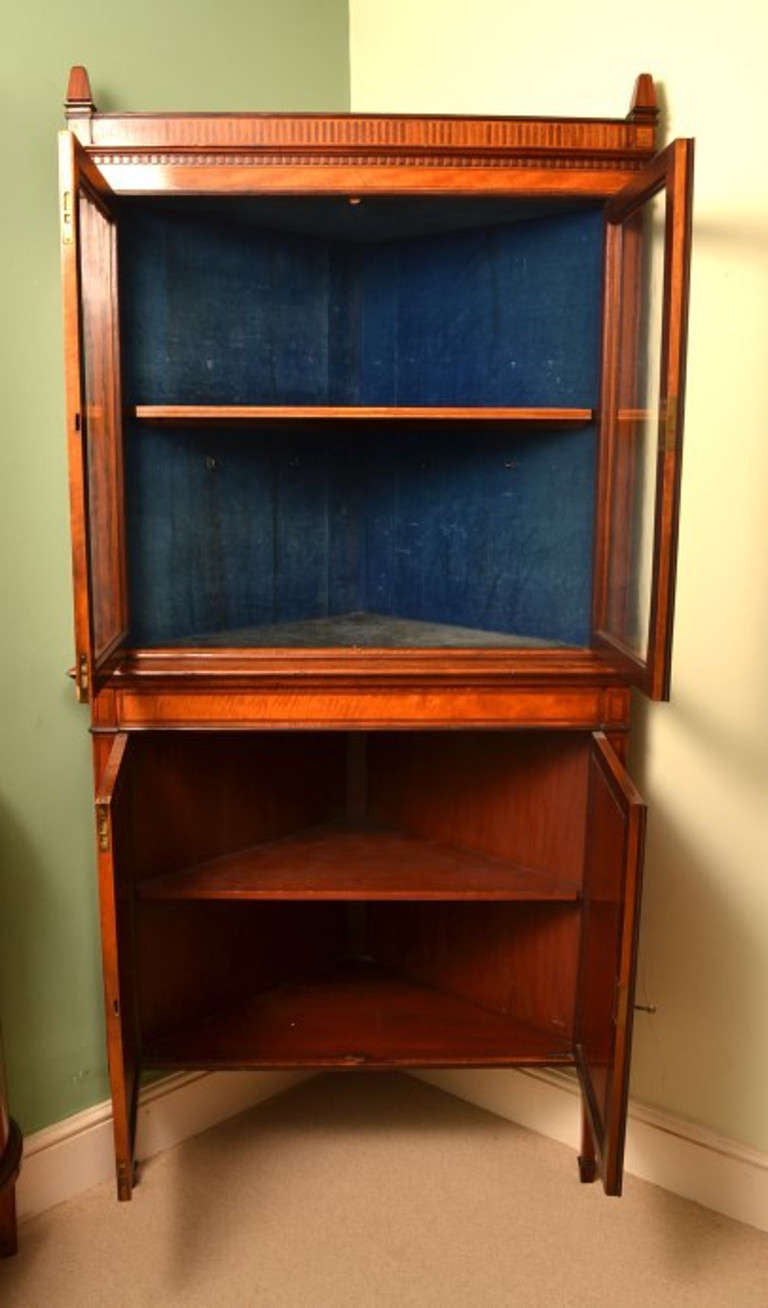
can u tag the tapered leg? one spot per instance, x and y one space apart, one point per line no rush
8 1221
124 1172
587 1159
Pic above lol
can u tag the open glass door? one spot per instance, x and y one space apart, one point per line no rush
94 410
641 416
612 880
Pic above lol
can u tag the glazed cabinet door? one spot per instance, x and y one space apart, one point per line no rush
94 410
648 236
612 880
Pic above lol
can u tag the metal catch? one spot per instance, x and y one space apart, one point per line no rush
82 679
67 223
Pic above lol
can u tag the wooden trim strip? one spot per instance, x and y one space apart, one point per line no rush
584 708
175 414
324 133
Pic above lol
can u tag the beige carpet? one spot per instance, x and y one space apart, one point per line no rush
379 1190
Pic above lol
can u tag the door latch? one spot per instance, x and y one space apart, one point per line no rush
67 219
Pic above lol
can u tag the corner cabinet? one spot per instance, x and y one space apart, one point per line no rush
374 434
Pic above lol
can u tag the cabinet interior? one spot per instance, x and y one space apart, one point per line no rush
376 897
318 531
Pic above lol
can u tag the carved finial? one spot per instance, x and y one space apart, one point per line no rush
644 107
79 89
79 105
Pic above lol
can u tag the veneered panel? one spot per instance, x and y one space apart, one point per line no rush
509 958
612 881
517 795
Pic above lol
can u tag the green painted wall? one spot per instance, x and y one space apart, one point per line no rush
180 54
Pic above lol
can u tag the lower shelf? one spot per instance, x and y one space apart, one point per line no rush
358 1015
364 631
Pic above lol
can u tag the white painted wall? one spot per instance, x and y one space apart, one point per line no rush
702 761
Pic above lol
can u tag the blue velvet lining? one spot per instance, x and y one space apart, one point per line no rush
477 528
218 312
466 525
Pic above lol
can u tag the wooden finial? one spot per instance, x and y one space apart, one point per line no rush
644 107
79 89
79 105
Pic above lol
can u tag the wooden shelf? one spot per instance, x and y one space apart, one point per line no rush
362 631
334 862
253 414
359 1015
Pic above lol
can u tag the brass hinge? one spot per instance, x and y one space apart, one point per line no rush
67 220
82 679
102 827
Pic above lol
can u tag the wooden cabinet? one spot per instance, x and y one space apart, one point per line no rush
375 429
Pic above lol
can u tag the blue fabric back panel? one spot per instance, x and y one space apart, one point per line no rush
217 311
222 314
475 527
471 526
502 316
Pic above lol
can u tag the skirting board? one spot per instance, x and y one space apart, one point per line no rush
680 1156
65 1159
62 1160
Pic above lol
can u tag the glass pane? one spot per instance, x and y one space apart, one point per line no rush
101 421
638 395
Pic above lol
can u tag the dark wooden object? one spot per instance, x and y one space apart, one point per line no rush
354 856
10 1161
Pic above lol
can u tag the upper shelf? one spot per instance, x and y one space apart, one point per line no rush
252 414
331 862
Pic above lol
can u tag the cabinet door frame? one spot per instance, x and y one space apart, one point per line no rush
607 1114
113 761
104 533
670 172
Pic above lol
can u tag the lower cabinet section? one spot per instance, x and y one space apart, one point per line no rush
382 899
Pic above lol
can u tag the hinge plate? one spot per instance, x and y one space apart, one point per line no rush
102 827
67 219
82 678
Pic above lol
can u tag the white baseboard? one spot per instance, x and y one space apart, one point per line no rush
680 1156
71 1156
65 1159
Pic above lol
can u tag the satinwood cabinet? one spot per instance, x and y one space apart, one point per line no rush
374 428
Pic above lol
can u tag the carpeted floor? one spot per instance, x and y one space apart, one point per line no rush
379 1190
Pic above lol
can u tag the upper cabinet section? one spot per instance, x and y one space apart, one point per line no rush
336 384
